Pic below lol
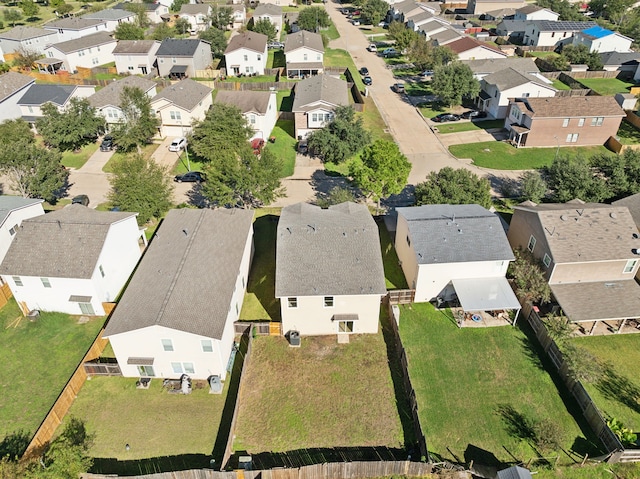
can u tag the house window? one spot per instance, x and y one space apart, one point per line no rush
146 371
13 230
305 57
175 115
597 121
45 282
246 58
318 57
546 260
81 53
188 368
30 108
177 368
173 60
345 326
86 308
243 281
259 57
252 119
17 280
631 264
314 117
207 345
167 345
161 60
581 122
408 241
130 68
565 123
525 95
328 301
237 310
101 270
532 243
291 302
572 138
95 61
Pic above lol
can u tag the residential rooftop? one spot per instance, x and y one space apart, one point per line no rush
511 78
178 47
40 93
559 26
9 204
186 93
247 101
25 33
12 82
111 95
301 39
74 23
253 41
88 41
125 47
572 106
320 89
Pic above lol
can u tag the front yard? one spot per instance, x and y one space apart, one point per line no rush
37 358
77 159
475 385
503 156
457 127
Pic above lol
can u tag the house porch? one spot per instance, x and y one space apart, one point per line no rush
481 319
607 327
49 65
304 70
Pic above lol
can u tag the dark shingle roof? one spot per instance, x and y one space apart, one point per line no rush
178 47
25 33
247 101
195 9
149 7
110 95
12 203
62 244
186 93
39 94
633 203
529 9
301 39
456 234
268 9
187 277
511 78
74 23
134 46
12 82
333 251
253 41
573 106
320 88
620 58
88 41
492 65
109 14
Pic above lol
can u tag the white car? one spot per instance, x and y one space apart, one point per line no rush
178 144
372 48
356 22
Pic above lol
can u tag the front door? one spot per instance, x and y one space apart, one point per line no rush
345 326
143 70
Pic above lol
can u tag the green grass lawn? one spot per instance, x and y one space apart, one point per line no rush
469 126
71 159
474 384
285 100
617 394
331 32
321 395
340 58
259 301
373 121
628 134
255 79
431 109
418 88
147 151
37 358
543 54
285 145
592 471
502 156
606 86
558 85
394 277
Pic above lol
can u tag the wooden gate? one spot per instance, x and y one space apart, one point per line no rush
401 296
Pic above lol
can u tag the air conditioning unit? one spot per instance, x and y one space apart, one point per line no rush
294 339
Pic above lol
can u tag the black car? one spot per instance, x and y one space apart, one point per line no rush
107 143
467 115
190 177
80 200
367 81
364 71
442 117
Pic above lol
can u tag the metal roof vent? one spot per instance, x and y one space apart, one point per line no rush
613 215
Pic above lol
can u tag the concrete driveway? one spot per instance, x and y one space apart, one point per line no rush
90 180
183 192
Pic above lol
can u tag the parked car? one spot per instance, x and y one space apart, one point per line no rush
355 22
356 12
390 52
178 144
190 177
372 48
294 28
303 148
427 73
444 117
80 200
364 71
367 80
467 115
383 24
398 87
256 145
275 45
107 143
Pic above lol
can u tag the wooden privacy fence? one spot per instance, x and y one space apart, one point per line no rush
266 328
253 86
5 294
103 367
57 412
337 470
401 296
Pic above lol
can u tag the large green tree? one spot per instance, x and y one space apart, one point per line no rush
615 11
24 58
221 16
382 170
573 177
139 122
29 8
140 12
313 18
129 31
341 138
425 56
162 31
455 187
141 185
222 132
402 35
182 26
11 16
374 11
454 81
566 9
265 27
177 5
216 39
580 55
77 125
532 186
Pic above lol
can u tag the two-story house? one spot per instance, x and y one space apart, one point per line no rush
154 10
108 100
39 94
136 56
546 33
198 15
590 254
176 315
478 7
12 87
260 109
246 54
534 12
71 28
569 121
315 99
271 12
86 52
329 273
499 87
468 48
598 39
13 211
27 39
183 57
238 15
112 17
181 105
72 260
304 54
482 68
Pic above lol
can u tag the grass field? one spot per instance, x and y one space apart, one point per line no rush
628 134
321 395
457 127
37 358
474 385
71 159
418 88
606 86
502 156
592 471
618 393
284 146
393 275
558 85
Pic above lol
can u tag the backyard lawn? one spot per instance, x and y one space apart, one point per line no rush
37 358
321 395
503 156
457 127
71 159
474 386
628 134
284 146
558 85
606 86
617 394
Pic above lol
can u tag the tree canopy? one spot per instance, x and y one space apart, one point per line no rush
402 35
453 81
425 56
374 11
216 39
529 278
265 27
532 186
162 31
182 25
11 16
29 8
221 17
455 187
580 55
77 125
573 177
139 123
222 132
141 185
341 138
312 18
129 31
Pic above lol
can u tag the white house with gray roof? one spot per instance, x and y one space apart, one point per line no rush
12 87
546 33
71 28
449 251
182 57
180 106
32 39
13 211
72 260
108 100
198 15
246 54
315 99
136 56
176 315
112 17
154 11
40 94
329 274
304 54
86 52
271 12
260 109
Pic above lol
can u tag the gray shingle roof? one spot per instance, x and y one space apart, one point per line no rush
406 6
93 40
39 94
320 88
247 101
186 93
418 16
510 78
620 58
74 23
149 7
515 472
11 82
25 33
178 47
110 95
187 277
633 203
301 39
12 203
513 26
588 301
62 244
268 9
443 234
253 41
134 46
333 251
195 9
445 35
109 14
492 65
529 9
